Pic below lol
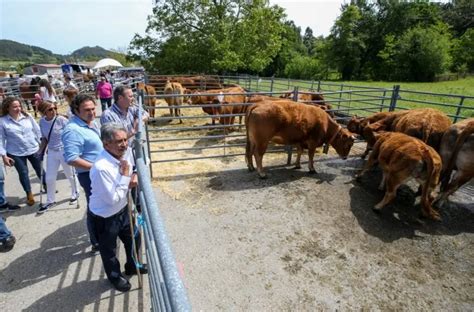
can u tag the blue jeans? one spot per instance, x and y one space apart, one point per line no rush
21 167
85 182
3 200
4 232
105 103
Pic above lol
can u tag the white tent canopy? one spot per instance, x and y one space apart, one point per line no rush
107 62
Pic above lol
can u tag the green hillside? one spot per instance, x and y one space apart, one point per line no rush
17 55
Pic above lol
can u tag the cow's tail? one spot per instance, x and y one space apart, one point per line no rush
432 173
426 132
249 147
465 133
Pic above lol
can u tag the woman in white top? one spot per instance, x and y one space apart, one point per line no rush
19 142
51 126
46 91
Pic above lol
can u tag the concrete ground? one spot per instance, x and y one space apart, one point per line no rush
51 267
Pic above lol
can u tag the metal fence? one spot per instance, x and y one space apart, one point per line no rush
196 138
166 287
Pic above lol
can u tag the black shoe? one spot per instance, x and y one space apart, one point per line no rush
8 206
95 249
121 284
7 243
45 207
133 270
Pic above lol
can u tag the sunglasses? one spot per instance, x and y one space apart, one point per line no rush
51 109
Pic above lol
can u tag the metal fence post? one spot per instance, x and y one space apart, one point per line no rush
458 111
271 84
312 85
393 100
340 97
319 86
289 148
383 100
288 83
295 93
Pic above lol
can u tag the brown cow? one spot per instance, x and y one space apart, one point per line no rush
457 152
357 125
426 124
28 91
176 89
401 158
150 102
290 123
233 104
310 98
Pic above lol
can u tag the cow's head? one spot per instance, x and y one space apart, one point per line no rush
343 142
194 97
354 125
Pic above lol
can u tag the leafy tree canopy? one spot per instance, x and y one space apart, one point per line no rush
210 36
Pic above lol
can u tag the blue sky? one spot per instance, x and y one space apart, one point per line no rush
63 26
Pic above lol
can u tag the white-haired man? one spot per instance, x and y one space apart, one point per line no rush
111 179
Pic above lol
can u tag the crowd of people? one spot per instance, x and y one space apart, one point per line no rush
96 158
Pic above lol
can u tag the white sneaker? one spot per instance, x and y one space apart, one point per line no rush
74 199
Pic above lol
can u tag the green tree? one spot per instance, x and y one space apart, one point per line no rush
460 15
462 52
345 44
422 53
304 67
210 36
291 46
309 40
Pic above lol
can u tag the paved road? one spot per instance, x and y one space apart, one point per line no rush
51 268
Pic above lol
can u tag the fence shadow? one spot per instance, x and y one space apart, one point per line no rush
56 252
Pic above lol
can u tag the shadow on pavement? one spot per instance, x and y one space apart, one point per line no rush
66 245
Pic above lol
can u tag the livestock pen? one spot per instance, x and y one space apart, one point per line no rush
300 241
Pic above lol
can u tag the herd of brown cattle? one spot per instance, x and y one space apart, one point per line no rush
421 144
418 143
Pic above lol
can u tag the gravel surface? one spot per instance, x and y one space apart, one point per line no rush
303 242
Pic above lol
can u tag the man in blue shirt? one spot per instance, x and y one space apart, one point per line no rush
82 145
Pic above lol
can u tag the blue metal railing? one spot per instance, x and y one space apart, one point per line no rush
166 287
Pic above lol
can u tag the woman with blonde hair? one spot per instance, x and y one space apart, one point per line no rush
51 126
19 142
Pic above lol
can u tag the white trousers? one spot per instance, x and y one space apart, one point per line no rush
53 160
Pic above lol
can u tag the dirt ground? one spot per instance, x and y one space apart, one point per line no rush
303 242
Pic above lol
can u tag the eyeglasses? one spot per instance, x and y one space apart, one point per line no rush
51 109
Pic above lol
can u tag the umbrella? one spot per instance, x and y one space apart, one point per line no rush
107 62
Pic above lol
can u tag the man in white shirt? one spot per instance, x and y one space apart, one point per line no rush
111 179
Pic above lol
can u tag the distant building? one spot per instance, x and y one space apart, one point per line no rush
42 69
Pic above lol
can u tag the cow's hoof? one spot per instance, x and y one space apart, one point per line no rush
297 167
433 215
312 171
251 169
262 176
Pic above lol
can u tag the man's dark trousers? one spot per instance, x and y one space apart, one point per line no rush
107 231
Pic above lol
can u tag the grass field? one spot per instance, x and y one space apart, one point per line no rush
363 98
